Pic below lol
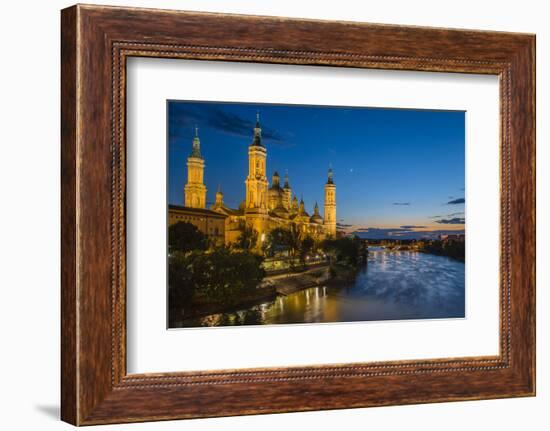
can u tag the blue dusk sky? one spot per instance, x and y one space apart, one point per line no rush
399 173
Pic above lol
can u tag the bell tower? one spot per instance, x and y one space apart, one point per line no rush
330 205
256 182
195 190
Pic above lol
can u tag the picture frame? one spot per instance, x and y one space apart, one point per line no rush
96 42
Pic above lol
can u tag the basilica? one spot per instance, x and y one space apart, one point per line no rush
265 205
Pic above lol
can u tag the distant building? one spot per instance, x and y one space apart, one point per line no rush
453 237
265 206
209 222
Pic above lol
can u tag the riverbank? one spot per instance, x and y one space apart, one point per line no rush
459 258
274 286
271 287
454 252
288 283
391 286
203 309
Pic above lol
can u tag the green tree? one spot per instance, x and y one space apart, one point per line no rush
219 276
185 237
344 250
453 249
181 285
295 239
277 240
306 245
248 237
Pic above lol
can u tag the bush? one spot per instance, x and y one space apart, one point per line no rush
221 276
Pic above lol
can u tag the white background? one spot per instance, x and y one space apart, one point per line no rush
151 348
29 175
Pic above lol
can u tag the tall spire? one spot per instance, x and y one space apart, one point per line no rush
195 190
287 184
316 209
275 180
219 197
330 179
257 131
196 152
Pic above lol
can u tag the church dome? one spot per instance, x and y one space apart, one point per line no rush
316 218
275 191
281 211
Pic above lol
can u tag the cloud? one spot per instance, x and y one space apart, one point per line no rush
455 220
448 215
343 225
183 117
456 201
412 227
401 203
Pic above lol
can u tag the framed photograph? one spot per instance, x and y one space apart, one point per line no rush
322 214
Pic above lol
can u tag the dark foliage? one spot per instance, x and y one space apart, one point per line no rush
344 250
248 238
306 246
221 277
185 237
454 249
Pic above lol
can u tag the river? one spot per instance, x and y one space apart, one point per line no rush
392 285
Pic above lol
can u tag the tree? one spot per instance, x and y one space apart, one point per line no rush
306 245
453 249
281 238
345 250
219 276
294 239
181 287
277 240
185 237
248 238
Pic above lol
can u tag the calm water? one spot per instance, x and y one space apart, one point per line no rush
392 285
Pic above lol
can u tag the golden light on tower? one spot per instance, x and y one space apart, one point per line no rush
195 190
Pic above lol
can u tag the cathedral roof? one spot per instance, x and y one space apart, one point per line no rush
281 211
194 211
316 218
222 209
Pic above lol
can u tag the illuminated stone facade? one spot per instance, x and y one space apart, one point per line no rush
265 206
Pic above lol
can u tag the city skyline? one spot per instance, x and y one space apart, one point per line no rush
399 173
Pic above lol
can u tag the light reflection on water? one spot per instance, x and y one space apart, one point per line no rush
391 286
